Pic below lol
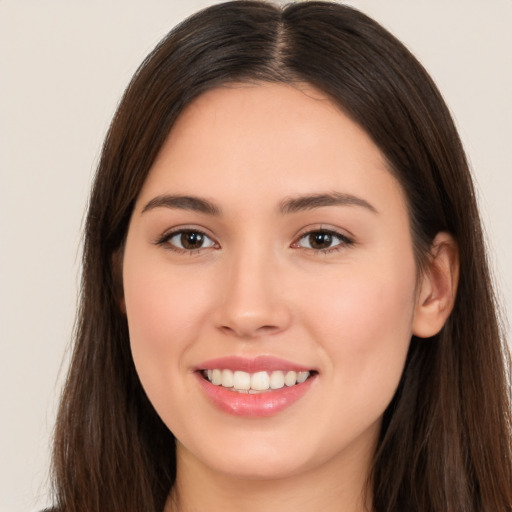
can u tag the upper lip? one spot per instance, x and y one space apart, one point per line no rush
252 365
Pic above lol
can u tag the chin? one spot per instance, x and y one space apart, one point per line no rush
272 467
245 457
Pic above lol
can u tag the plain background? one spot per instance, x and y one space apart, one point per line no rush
63 67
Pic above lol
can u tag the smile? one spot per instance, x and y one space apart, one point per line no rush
253 383
254 387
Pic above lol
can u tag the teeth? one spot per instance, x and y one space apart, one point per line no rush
276 380
260 381
244 382
301 377
217 377
227 379
241 380
290 378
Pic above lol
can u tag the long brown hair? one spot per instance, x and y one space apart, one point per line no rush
445 444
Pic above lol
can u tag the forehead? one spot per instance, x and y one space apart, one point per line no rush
239 118
243 141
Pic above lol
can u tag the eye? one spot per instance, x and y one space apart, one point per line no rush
323 240
187 240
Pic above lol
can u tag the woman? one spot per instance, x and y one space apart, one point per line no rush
286 301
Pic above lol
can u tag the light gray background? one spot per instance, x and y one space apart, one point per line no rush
63 67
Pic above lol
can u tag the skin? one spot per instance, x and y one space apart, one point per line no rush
257 288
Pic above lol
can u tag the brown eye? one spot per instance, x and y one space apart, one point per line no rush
320 240
190 240
323 240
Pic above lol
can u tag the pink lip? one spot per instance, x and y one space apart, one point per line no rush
253 405
252 365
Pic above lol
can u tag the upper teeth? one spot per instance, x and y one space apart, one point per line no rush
253 382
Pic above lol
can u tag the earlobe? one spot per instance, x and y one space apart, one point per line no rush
438 287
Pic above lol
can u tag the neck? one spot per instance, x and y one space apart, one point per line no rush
333 487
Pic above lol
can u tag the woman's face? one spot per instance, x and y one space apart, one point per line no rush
270 245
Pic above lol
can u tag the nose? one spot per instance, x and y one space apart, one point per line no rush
253 300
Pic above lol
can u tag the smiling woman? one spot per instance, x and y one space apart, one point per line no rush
308 281
286 303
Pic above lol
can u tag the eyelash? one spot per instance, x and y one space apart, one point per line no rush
165 239
344 241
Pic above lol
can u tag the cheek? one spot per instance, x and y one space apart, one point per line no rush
164 311
365 327
364 301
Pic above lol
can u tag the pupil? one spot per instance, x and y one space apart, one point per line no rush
320 240
192 240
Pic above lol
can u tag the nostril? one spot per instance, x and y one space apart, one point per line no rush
266 329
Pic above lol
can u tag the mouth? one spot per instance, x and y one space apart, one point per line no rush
240 381
259 387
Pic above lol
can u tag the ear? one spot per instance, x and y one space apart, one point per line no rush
117 276
437 287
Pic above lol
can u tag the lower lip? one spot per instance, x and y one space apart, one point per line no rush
254 405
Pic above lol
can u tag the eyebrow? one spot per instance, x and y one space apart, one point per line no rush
287 206
310 202
179 202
